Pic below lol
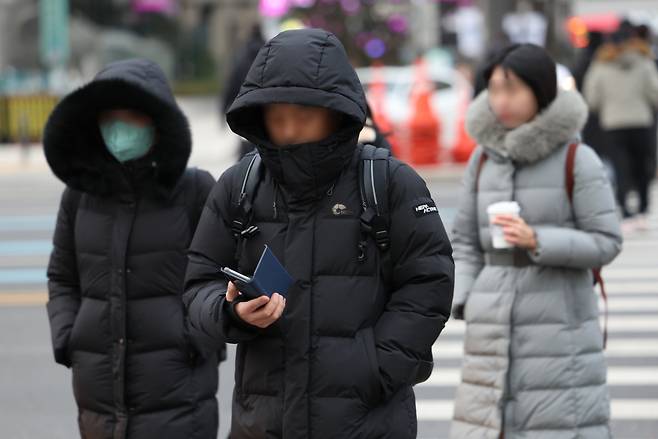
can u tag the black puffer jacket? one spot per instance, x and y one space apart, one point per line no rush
116 272
353 340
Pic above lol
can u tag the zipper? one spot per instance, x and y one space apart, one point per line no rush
310 334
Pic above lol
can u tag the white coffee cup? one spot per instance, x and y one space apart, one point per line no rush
497 234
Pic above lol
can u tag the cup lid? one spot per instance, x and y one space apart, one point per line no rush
503 207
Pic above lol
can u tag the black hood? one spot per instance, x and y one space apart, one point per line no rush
76 151
304 67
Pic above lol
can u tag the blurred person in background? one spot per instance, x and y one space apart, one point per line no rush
592 133
533 353
371 134
115 276
241 64
645 34
622 87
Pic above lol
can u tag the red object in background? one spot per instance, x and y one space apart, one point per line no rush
579 26
464 144
377 96
424 124
605 23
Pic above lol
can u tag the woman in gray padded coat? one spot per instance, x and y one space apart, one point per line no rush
533 354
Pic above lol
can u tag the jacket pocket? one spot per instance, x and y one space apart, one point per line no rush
72 343
65 357
374 393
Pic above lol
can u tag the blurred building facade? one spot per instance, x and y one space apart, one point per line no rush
196 39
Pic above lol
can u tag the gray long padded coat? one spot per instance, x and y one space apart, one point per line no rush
533 361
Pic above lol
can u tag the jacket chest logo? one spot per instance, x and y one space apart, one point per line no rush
340 210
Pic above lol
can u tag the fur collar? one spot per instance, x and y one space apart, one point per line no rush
558 124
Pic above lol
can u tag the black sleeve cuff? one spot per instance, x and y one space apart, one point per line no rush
229 309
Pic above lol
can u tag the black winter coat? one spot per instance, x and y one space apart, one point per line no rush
118 264
355 336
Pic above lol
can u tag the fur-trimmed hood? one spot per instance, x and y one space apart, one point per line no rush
558 124
75 149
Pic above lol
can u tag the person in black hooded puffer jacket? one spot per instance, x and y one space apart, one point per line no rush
337 358
115 277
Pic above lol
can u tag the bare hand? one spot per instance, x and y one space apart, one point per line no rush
517 232
261 311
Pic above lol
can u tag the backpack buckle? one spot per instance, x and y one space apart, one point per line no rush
249 232
237 227
382 239
375 225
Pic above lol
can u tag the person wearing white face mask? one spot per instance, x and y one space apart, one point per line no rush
115 277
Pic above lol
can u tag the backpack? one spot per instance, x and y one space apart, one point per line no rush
569 186
374 182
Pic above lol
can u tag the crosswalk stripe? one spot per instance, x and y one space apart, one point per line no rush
29 223
617 376
621 288
621 409
617 348
631 273
632 324
640 244
615 324
32 247
634 409
22 276
434 410
616 303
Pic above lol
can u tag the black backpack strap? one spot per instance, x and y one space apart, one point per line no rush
374 182
250 174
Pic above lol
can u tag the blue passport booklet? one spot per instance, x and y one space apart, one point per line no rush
270 277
